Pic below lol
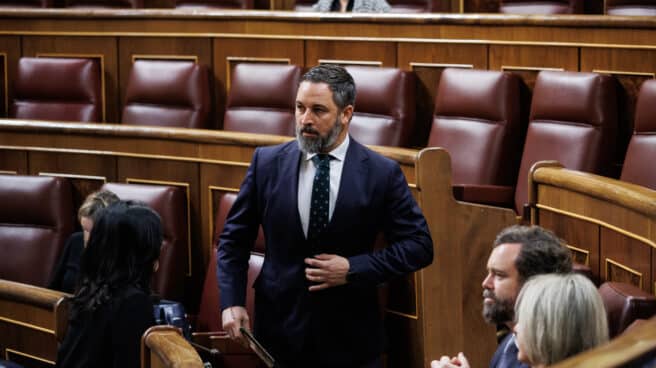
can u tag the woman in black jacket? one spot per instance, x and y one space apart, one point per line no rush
112 308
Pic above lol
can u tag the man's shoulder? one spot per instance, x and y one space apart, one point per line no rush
375 159
277 149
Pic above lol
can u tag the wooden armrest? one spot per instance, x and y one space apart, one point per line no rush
495 195
164 346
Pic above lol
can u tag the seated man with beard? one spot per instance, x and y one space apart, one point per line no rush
322 200
519 253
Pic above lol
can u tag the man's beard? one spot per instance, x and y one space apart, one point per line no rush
319 143
501 311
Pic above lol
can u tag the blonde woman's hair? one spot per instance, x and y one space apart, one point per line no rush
95 202
559 315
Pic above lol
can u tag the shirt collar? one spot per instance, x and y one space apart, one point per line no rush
338 153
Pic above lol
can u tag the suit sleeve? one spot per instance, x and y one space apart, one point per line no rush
236 242
410 246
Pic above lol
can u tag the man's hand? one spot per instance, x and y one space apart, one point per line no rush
233 318
327 270
446 362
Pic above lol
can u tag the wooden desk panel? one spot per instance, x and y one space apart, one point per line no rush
613 221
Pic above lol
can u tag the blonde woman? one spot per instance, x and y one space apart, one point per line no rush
65 274
558 316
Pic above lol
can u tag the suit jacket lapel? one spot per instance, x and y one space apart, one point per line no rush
288 166
351 184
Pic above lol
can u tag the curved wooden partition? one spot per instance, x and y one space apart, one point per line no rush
164 347
634 348
609 225
32 321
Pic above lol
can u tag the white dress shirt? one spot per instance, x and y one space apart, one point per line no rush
306 179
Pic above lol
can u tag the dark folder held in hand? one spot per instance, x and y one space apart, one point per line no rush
259 349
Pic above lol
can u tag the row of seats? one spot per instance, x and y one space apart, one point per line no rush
611 7
478 114
38 215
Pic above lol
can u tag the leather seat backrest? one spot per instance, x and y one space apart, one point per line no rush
638 168
105 4
478 120
624 304
261 98
541 7
384 106
168 93
209 315
573 120
214 4
630 7
26 3
36 218
65 89
170 203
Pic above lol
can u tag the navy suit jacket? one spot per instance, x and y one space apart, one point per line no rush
339 326
506 354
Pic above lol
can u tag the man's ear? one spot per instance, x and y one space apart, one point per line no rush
347 114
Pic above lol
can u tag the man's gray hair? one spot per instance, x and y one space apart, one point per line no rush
558 316
338 79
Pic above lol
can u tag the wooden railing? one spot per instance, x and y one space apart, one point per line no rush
32 321
609 225
164 347
634 348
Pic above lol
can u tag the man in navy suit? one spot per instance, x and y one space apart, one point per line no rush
322 200
519 253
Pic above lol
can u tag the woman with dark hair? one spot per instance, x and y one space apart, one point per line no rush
111 308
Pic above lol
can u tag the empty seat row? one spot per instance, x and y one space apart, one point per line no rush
176 93
37 216
478 116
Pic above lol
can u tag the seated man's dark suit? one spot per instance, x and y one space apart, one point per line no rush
339 326
506 354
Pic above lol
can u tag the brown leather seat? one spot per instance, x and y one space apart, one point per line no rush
168 93
541 7
624 304
384 106
631 7
65 89
478 120
214 4
171 204
261 98
100 4
36 218
26 4
638 168
573 120
209 315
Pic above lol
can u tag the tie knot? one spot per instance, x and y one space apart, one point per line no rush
321 159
